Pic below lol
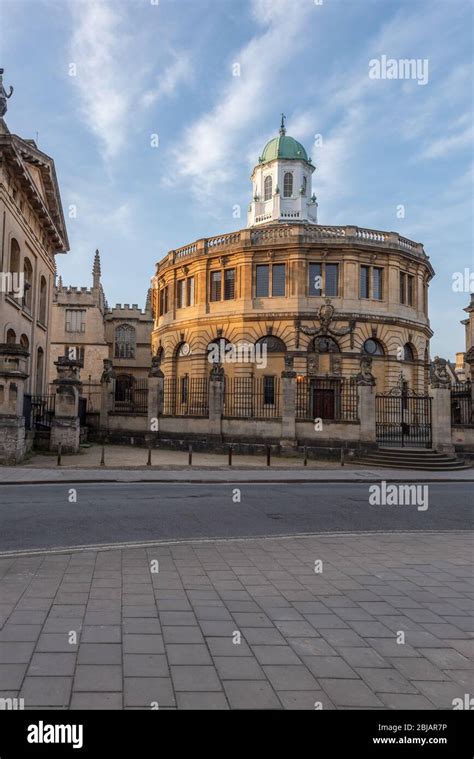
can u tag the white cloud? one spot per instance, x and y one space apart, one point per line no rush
205 151
177 72
98 47
447 145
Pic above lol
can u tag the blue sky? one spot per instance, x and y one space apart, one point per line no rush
145 67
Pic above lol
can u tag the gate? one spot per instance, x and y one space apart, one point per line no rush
403 419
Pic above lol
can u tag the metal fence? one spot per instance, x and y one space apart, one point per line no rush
38 411
131 396
461 404
403 420
327 399
186 396
255 397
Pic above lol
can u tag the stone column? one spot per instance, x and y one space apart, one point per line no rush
440 392
12 423
366 398
107 385
216 400
156 388
65 427
288 407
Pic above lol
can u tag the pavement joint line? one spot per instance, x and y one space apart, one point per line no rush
369 479
191 541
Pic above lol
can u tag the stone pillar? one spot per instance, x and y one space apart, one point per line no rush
441 419
12 423
65 427
107 386
440 392
216 400
156 388
288 407
366 397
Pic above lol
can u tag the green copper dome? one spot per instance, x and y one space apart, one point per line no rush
283 147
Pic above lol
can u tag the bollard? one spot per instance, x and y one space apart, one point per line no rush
59 454
268 455
102 458
342 457
190 455
148 463
305 456
230 455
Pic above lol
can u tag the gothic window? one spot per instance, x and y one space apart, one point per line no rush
39 371
11 336
75 320
267 188
288 185
14 263
125 341
373 347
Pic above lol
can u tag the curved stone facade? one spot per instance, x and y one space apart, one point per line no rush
306 285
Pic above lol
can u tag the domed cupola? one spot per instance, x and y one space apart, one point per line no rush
282 183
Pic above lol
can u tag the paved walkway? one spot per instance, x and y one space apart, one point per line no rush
242 624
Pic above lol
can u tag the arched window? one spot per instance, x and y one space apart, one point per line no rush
267 188
373 347
304 186
39 371
125 341
288 185
11 336
324 345
273 344
43 300
408 352
27 284
14 257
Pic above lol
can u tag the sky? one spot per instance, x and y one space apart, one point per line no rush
154 136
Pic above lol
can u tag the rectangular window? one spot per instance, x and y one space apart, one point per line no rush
216 279
180 293
163 307
190 291
262 281
403 278
331 277
315 279
410 281
269 391
278 279
75 320
377 283
229 284
364 282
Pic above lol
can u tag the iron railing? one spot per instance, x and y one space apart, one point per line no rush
326 399
186 396
252 397
131 397
461 404
403 420
38 411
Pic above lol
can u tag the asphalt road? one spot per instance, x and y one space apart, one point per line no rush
42 516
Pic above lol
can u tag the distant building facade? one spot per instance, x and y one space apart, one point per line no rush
83 322
33 232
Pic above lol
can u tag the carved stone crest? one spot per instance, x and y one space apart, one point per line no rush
326 315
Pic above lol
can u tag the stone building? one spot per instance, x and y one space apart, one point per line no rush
83 321
33 231
465 361
288 293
